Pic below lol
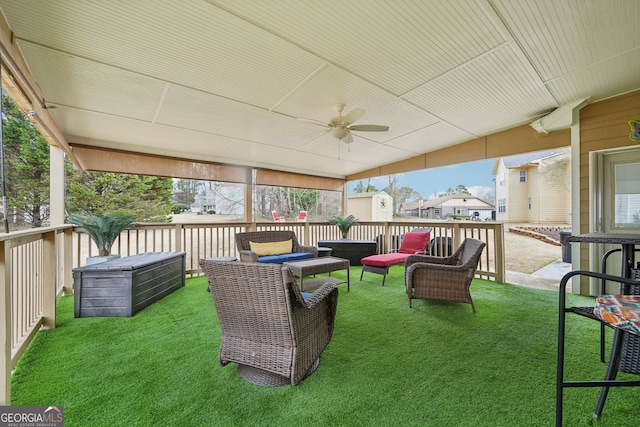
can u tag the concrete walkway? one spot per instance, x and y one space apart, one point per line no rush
548 277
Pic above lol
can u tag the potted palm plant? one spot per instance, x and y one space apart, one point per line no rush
344 223
103 229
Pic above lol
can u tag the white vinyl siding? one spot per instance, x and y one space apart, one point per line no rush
538 192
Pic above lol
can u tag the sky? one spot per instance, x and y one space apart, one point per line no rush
476 176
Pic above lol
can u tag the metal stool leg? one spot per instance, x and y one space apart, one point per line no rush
612 371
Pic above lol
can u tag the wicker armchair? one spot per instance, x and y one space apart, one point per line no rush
268 328
444 278
244 247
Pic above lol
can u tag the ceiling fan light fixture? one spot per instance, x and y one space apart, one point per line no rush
339 133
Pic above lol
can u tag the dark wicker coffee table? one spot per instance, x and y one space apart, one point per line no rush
314 266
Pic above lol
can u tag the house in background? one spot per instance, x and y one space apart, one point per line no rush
221 198
534 187
449 206
371 206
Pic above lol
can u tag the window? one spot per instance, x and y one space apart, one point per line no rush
627 195
523 176
501 179
502 205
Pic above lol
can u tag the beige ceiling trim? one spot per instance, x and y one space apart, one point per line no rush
107 160
20 85
414 163
295 180
522 139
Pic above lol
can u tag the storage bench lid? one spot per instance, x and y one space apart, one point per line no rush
132 262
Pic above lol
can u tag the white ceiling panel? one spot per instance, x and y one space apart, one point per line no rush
596 81
96 87
361 150
494 91
189 42
396 45
191 109
230 80
302 161
434 137
152 138
560 37
316 99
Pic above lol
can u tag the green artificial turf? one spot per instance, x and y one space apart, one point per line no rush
437 364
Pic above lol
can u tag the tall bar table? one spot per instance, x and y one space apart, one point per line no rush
621 338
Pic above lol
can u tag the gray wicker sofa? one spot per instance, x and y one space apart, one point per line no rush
297 252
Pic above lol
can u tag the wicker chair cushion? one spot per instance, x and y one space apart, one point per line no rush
272 248
384 260
414 242
279 259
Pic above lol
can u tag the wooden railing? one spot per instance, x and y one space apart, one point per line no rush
36 268
36 265
218 239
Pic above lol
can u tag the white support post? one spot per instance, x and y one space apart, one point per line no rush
178 237
49 280
66 261
575 191
5 324
56 186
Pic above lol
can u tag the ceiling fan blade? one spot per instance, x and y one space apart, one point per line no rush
353 115
369 128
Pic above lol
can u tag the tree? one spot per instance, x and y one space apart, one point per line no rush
26 166
145 198
399 194
461 189
451 191
361 188
302 199
185 191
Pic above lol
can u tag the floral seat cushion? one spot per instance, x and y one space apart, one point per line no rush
621 311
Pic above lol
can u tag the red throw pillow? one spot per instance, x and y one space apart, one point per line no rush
414 242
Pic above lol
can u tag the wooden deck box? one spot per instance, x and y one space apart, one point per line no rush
124 286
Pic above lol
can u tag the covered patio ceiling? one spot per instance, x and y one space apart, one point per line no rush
248 82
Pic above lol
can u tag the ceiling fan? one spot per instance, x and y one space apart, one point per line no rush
340 127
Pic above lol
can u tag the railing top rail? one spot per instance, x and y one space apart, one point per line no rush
33 232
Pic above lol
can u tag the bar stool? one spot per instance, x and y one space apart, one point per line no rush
625 349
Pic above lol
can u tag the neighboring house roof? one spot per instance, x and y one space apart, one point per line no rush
524 159
521 160
473 202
